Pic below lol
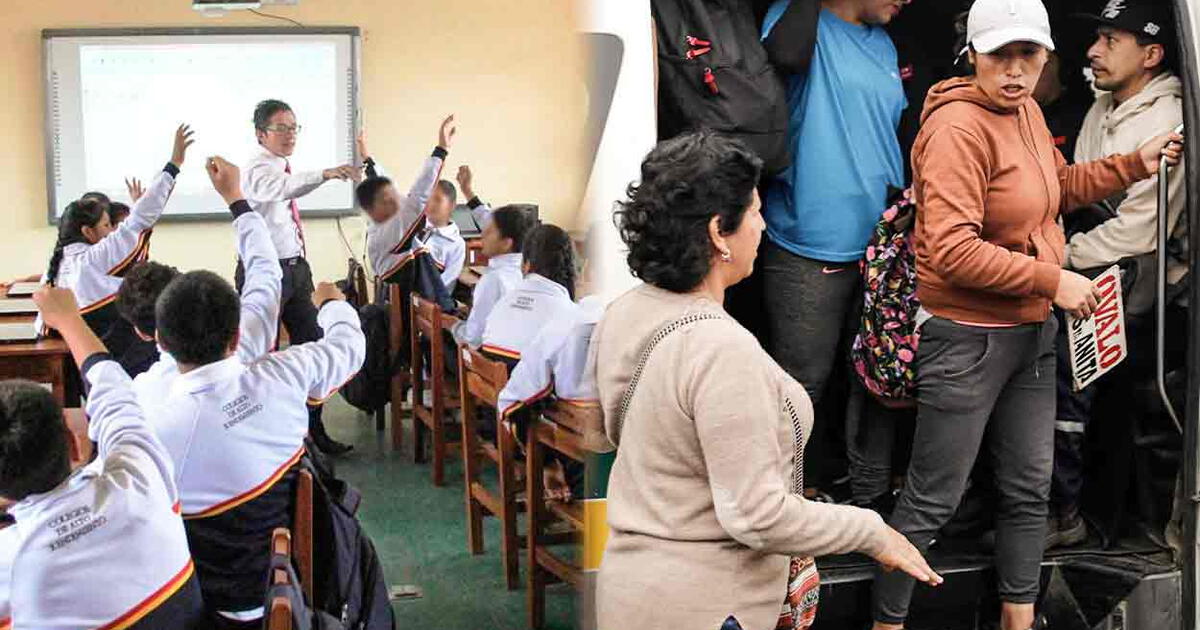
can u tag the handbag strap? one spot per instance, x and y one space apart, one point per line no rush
661 333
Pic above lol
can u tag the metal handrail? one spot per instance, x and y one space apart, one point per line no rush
1161 293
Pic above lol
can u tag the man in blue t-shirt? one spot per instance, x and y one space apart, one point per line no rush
821 211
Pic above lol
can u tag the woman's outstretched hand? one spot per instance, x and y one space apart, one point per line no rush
900 554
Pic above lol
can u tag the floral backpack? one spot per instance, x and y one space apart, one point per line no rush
886 344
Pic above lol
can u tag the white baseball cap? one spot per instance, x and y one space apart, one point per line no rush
992 24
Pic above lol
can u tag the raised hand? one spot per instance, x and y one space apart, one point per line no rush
446 132
465 179
361 142
226 178
57 306
134 186
183 140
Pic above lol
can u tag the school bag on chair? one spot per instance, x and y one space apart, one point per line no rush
885 347
349 581
713 73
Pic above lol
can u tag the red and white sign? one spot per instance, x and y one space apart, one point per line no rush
1097 343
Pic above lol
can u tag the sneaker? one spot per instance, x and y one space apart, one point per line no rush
1072 530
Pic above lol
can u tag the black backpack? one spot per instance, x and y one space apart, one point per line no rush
349 581
370 389
713 73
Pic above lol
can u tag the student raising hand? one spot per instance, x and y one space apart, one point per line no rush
135 188
465 179
183 140
57 306
226 178
446 132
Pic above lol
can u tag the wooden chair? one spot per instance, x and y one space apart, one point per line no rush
561 428
431 324
401 379
279 609
302 525
480 381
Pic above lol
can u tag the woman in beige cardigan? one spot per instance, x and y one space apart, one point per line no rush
705 503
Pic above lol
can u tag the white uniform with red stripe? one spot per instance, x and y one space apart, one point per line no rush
503 273
448 249
384 238
233 431
272 188
555 362
523 312
91 272
259 322
232 427
106 547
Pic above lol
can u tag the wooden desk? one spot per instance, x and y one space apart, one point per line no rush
42 361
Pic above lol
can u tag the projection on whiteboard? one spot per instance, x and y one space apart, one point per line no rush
114 101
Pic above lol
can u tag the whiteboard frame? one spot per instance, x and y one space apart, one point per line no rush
50 34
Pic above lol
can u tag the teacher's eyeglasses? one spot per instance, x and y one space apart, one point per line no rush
283 129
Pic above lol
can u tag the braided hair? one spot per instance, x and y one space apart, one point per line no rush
548 252
79 214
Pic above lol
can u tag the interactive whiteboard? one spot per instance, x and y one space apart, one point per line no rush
115 97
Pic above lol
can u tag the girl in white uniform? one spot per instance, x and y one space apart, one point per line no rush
545 294
91 256
502 240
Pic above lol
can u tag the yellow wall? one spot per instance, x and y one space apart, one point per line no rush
513 72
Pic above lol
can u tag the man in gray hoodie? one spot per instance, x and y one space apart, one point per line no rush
1132 60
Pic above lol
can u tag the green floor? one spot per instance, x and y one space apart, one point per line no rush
419 532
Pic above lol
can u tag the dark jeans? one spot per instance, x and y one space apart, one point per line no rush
297 313
973 384
872 431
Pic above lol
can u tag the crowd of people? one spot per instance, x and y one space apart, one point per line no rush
712 521
202 423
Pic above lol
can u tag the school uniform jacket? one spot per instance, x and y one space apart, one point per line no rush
271 188
94 272
554 363
503 273
524 311
259 322
235 432
106 548
448 250
389 243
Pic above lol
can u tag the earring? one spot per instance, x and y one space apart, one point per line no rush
726 256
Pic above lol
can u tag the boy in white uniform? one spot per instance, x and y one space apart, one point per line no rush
258 320
102 546
236 431
395 221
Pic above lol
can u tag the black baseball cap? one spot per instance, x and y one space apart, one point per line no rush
1148 18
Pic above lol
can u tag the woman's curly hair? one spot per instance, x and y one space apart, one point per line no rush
686 181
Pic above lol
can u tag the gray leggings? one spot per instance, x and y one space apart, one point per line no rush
976 384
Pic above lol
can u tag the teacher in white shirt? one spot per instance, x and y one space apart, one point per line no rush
272 187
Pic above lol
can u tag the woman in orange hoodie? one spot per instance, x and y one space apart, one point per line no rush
990 187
